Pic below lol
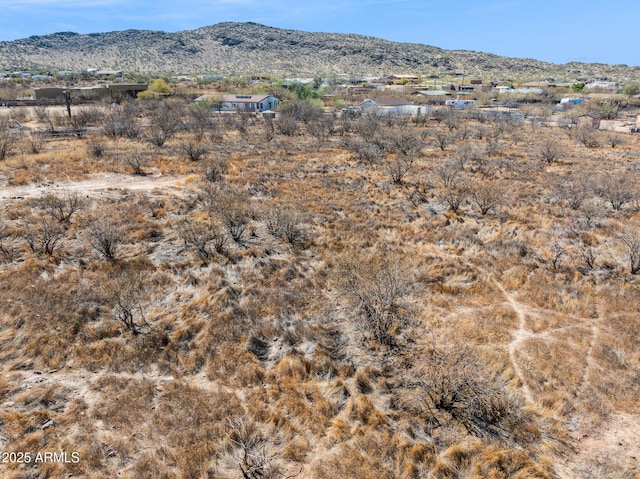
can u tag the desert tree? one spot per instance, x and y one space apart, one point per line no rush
7 252
587 252
631 240
164 122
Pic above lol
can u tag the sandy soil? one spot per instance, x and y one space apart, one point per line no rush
100 185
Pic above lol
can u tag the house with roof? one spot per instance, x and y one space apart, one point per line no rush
393 106
258 103
251 103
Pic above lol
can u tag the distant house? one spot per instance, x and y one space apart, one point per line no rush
402 79
393 106
601 85
252 103
461 103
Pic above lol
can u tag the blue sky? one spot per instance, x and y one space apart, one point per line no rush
556 31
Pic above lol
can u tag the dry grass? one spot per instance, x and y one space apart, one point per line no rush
344 326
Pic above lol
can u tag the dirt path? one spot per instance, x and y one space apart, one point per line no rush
100 185
519 335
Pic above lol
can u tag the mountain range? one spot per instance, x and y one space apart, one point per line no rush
250 48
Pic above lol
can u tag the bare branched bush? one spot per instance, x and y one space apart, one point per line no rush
62 206
457 386
249 450
398 166
105 235
631 240
587 136
164 123
194 149
120 122
574 191
43 235
206 236
549 151
617 190
287 125
215 170
285 223
486 196
233 210
557 252
127 291
136 160
614 139
444 139
35 143
7 140
375 289
96 148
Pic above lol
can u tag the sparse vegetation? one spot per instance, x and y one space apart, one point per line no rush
342 299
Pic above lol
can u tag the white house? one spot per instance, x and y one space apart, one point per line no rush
248 102
394 106
252 103
459 103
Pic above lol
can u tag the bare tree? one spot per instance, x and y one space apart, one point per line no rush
375 289
398 166
205 236
549 151
631 240
194 149
164 123
215 170
43 235
557 252
7 140
127 290
486 196
62 206
105 235
616 190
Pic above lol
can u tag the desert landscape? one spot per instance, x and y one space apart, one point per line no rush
188 293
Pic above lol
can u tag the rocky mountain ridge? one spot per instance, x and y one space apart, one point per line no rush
250 48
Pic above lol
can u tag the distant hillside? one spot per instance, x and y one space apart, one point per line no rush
243 48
